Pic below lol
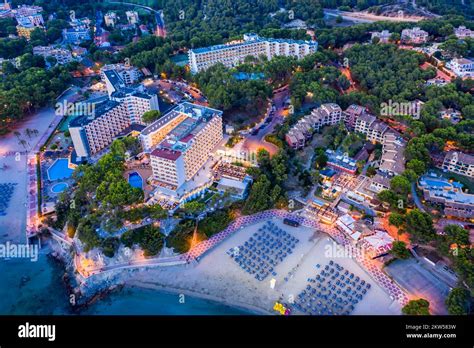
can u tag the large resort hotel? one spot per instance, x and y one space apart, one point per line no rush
233 54
121 114
180 143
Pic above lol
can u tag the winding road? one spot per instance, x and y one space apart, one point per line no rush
416 199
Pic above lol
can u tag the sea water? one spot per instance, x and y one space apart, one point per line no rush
37 288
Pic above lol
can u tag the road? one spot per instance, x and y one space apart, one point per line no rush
252 143
416 199
137 5
364 17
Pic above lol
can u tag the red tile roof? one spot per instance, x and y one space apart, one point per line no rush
167 154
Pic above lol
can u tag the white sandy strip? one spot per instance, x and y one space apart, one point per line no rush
218 277
381 278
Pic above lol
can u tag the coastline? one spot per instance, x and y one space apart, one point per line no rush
217 278
194 293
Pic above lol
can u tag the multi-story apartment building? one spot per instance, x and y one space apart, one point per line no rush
352 113
110 19
35 19
27 10
341 162
415 35
463 33
392 161
129 74
372 128
25 31
76 35
62 55
92 133
384 35
132 17
460 163
137 103
461 67
181 142
81 23
456 203
123 110
325 115
233 54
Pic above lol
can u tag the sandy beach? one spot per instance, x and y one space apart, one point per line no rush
219 278
13 225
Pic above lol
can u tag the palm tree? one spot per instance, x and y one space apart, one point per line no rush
23 143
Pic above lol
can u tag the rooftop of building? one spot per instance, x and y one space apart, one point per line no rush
367 118
114 78
191 110
463 61
255 38
339 159
462 157
178 139
100 110
166 153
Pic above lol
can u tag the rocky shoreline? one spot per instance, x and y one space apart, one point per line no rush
82 294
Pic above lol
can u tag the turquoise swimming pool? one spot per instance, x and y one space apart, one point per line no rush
437 183
135 180
60 187
59 170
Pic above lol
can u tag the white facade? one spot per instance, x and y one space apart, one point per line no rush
233 54
383 35
463 33
415 35
181 142
62 56
372 128
326 115
460 163
128 73
110 19
132 17
462 67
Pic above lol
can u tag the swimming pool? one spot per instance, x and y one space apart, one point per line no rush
60 187
135 180
59 170
436 183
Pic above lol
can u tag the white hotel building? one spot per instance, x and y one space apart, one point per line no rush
253 45
181 142
119 115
